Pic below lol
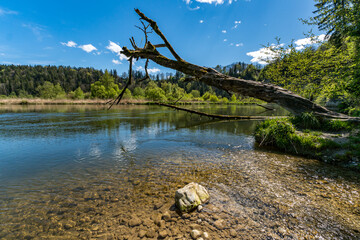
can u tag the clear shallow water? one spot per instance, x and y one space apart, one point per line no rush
84 172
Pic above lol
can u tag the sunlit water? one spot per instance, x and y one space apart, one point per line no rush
69 172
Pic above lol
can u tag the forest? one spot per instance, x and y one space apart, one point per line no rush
52 82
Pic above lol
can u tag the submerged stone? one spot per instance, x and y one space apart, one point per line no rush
190 197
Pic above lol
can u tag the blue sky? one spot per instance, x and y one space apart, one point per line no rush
88 33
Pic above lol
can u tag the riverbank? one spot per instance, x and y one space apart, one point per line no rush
40 101
332 141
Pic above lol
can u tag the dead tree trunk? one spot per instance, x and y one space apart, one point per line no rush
266 92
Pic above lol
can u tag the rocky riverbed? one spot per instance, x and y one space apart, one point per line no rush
250 199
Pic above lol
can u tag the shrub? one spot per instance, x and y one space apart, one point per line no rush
214 98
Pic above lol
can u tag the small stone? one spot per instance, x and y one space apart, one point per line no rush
199 208
166 216
200 238
142 233
135 222
95 228
163 234
282 230
233 233
195 234
150 233
114 200
219 224
205 235
158 206
69 225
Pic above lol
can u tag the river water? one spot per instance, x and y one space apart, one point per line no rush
82 172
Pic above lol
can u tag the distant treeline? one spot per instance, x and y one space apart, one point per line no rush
21 80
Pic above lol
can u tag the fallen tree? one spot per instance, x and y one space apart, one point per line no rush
266 92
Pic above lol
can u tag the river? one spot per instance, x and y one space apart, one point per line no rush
81 172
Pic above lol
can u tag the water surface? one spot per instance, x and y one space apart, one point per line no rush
84 172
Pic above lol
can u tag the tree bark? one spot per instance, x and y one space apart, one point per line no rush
266 92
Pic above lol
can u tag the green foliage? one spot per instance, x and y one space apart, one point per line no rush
214 98
339 18
206 96
138 92
306 121
319 74
233 98
281 134
12 95
77 94
155 93
24 94
224 100
105 88
195 93
310 121
49 91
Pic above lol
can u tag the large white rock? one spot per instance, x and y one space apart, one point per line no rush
191 196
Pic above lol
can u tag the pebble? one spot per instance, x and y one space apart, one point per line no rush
166 216
199 208
282 230
134 222
233 233
205 235
219 224
163 234
195 234
142 233
151 233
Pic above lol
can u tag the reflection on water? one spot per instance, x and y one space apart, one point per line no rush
82 172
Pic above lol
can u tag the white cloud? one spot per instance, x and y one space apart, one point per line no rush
209 1
237 23
69 44
150 70
301 43
223 31
262 55
239 44
115 48
194 9
153 70
88 48
201 21
4 12
116 61
225 40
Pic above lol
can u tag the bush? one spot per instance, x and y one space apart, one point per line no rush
233 98
49 91
195 93
105 88
281 133
310 121
214 98
138 92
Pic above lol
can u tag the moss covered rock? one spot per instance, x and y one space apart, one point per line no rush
191 196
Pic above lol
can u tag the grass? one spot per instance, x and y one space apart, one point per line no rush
308 121
283 135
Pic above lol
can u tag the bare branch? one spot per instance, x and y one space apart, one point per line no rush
154 26
118 99
159 45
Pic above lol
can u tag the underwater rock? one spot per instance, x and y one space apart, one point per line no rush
191 196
